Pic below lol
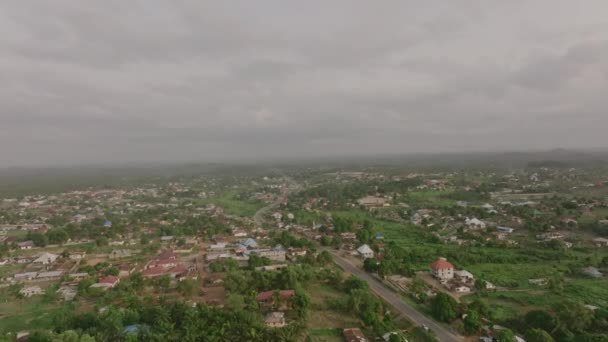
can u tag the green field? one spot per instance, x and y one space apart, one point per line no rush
233 205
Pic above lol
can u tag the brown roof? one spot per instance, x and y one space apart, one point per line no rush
441 264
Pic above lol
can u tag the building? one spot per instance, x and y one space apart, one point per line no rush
371 202
365 252
120 253
29 291
354 335
592 272
107 282
275 319
77 255
504 229
29 244
601 242
46 259
442 269
272 254
475 223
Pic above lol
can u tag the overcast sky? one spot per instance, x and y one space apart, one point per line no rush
101 81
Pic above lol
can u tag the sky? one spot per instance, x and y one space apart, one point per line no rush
140 81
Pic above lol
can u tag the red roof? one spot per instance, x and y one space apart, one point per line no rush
108 280
151 272
441 264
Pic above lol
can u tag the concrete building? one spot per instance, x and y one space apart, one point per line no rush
442 269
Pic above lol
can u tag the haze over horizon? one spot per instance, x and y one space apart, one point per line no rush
143 81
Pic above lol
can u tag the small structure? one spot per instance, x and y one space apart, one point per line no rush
107 224
77 255
504 229
474 223
120 253
29 244
592 272
354 335
365 252
442 269
67 293
249 243
46 258
601 242
275 319
107 282
29 291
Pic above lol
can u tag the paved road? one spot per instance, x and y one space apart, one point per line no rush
442 333
258 218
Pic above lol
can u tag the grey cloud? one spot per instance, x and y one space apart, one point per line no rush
192 80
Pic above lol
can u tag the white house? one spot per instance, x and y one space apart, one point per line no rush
475 223
365 252
29 291
442 269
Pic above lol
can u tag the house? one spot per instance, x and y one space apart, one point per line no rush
272 254
50 275
379 236
46 259
592 272
107 224
365 252
29 291
125 270
442 269
239 233
354 335
77 255
504 229
464 275
120 253
166 238
29 244
372 202
67 293
462 289
601 242
267 298
474 223
249 243
107 282
25 276
275 319
296 252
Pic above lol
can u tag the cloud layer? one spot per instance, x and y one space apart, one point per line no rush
208 80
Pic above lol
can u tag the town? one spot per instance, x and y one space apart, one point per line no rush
313 254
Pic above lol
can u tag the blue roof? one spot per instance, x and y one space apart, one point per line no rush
249 242
379 235
134 328
107 222
278 248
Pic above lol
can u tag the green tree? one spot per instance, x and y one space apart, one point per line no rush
538 335
472 323
574 316
505 335
444 307
540 319
187 287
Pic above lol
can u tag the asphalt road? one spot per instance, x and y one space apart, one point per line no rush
442 333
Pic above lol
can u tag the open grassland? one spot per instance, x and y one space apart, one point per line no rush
234 205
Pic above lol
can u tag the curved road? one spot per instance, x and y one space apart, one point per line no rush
442 333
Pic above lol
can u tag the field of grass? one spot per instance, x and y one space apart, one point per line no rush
233 205
17 315
324 324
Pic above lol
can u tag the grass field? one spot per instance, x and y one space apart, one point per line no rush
233 205
17 315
